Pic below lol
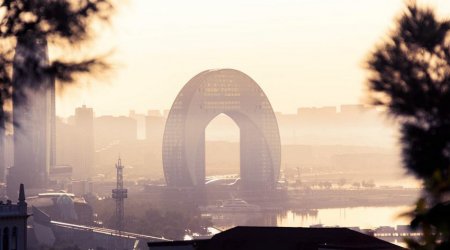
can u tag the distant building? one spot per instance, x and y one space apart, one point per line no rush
154 127
64 207
110 130
13 223
84 140
67 148
2 155
321 114
8 151
205 96
140 120
154 112
60 177
353 109
281 238
49 232
34 132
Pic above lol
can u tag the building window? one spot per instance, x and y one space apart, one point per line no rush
5 243
14 239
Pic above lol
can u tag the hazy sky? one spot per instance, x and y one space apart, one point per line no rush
301 52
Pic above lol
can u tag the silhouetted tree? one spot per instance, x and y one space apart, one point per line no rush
410 76
61 23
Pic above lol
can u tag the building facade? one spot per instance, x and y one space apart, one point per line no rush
204 97
2 155
33 116
84 132
13 223
154 127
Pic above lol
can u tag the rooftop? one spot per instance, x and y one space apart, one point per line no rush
286 238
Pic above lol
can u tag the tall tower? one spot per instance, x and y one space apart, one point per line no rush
84 141
33 116
119 194
205 96
2 155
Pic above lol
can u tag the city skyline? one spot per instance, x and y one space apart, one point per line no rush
256 115
164 112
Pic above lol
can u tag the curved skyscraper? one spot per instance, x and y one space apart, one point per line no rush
204 97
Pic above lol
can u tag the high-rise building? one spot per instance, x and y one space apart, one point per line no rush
2 155
84 131
204 97
33 116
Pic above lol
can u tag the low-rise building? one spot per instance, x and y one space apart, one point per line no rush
13 223
281 238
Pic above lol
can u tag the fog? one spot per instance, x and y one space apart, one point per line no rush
323 144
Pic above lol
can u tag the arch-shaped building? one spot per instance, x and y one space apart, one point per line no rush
204 97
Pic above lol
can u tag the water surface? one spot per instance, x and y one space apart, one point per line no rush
363 217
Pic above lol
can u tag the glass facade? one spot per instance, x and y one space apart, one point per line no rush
34 130
204 97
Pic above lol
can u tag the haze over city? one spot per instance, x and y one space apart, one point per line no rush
302 53
254 124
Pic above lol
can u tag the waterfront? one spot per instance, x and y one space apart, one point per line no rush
362 217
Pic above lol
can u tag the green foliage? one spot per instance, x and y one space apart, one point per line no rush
27 23
410 77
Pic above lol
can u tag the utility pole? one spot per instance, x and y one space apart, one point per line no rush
119 194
